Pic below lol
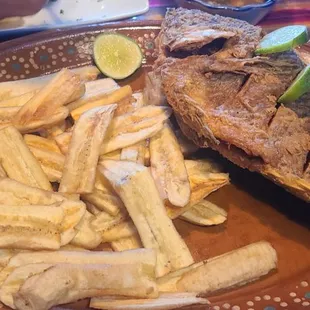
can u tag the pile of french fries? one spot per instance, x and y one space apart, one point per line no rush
83 162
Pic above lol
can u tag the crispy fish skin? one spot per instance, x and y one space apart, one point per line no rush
52 163
47 106
131 128
18 161
82 158
168 167
147 211
107 99
230 270
68 283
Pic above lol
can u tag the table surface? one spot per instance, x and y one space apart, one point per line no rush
286 12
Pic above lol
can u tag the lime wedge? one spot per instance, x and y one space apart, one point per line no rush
283 39
300 86
117 56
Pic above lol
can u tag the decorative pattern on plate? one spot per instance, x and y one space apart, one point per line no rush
48 56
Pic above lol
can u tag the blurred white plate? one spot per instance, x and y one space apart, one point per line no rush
62 13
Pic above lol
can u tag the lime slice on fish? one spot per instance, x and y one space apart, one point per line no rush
117 56
300 86
283 39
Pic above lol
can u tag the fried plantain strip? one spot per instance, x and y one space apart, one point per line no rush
95 90
168 168
82 158
45 108
205 213
18 161
136 188
107 99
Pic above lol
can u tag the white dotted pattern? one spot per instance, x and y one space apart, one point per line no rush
235 308
304 284
283 304
293 294
267 297
277 299
257 298
297 300
306 303
250 303
226 306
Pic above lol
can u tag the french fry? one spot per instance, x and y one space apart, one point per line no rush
148 213
163 302
46 107
134 127
229 270
94 90
168 168
41 143
20 87
52 163
126 244
24 265
30 227
63 141
204 178
82 158
6 115
205 213
18 161
110 98
85 281
123 230
87 237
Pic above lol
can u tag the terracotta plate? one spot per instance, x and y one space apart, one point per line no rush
257 208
